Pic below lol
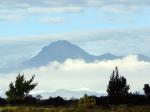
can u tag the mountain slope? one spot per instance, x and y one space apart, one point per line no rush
62 50
142 57
107 56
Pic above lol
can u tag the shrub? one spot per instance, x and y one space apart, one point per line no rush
87 101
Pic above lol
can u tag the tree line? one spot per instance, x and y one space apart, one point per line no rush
117 89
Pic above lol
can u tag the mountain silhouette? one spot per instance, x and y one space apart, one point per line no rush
62 50
67 93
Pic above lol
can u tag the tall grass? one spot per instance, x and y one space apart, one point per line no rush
122 108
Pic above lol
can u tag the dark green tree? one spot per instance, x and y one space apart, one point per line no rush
117 85
146 89
20 89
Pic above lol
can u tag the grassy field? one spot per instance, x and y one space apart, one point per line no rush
121 108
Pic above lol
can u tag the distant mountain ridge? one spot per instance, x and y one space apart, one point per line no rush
62 50
67 93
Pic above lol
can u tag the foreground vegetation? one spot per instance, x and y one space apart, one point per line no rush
121 108
119 99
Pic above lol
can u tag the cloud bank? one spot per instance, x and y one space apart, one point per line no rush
76 74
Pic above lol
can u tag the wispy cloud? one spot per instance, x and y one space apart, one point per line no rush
83 35
11 17
47 10
49 20
121 9
68 6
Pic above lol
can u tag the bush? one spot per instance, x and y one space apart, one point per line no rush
87 101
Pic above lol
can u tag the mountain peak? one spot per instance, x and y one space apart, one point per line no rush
107 56
59 51
61 42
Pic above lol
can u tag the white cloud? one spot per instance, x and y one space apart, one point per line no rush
28 7
119 8
48 20
76 74
17 10
47 10
11 17
84 35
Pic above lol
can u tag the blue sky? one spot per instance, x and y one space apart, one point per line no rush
120 27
